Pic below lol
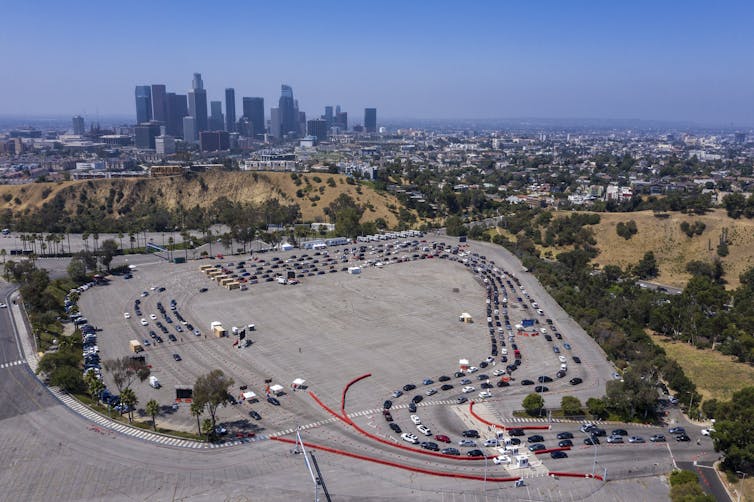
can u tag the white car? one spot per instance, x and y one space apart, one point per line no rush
144 322
472 369
409 438
498 372
431 392
485 394
503 351
502 459
416 420
3 306
562 359
491 442
706 432
126 315
424 430
468 388
153 317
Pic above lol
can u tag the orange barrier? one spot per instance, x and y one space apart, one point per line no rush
345 391
504 427
489 478
577 475
548 450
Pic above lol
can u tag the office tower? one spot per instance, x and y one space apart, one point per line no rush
370 119
189 129
253 109
230 109
328 116
145 134
275 122
213 141
288 115
177 108
216 119
197 102
78 125
143 104
317 128
164 145
337 109
159 103
341 120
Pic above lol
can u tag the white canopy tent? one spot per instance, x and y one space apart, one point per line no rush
248 395
298 382
276 389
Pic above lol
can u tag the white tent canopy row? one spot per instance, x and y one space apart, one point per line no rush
248 395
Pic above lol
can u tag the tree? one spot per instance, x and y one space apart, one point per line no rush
211 390
533 403
94 385
454 226
207 428
77 270
125 371
67 378
571 405
597 407
107 251
734 204
197 410
733 431
647 266
129 400
153 408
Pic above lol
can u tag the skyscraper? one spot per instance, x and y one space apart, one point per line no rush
253 109
177 108
230 109
159 103
288 115
275 122
341 120
78 125
197 102
143 104
328 116
317 128
216 119
145 134
370 119
189 129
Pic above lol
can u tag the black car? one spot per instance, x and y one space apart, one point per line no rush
565 435
591 440
558 454
563 443
541 388
575 381
446 386
417 399
256 416
471 433
482 377
395 427
429 445
387 404
515 441
172 337
503 383
444 378
619 432
458 374
516 432
576 359
475 453
486 385
596 431
682 437
536 438
450 451
387 415
544 379
273 401
203 290
412 407
176 357
527 382
408 387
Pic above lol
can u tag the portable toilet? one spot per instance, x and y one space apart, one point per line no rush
463 364
522 461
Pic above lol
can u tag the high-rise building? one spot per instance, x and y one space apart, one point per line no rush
288 115
213 141
143 104
216 119
370 120
317 128
341 120
253 109
159 103
230 109
197 102
164 145
177 108
275 123
78 125
328 116
145 134
189 129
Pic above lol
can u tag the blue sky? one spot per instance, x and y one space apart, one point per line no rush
687 61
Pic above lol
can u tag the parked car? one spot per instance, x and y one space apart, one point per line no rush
256 416
565 435
395 427
657 438
575 381
409 438
424 430
470 433
537 447
416 420
563 443
450 451
273 401
536 438
636 439
475 453
558 454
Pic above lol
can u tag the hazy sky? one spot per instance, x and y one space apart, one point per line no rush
664 60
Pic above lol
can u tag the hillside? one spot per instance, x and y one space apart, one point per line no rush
315 192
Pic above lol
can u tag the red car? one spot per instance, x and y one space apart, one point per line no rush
443 438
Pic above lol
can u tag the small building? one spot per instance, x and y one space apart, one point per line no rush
465 318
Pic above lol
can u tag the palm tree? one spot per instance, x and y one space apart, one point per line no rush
153 408
132 238
170 247
94 385
3 253
128 398
120 238
85 238
197 410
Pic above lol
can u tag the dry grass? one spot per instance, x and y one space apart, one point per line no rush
716 376
236 186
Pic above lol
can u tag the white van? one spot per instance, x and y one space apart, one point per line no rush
154 382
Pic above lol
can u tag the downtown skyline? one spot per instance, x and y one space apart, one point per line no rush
669 62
